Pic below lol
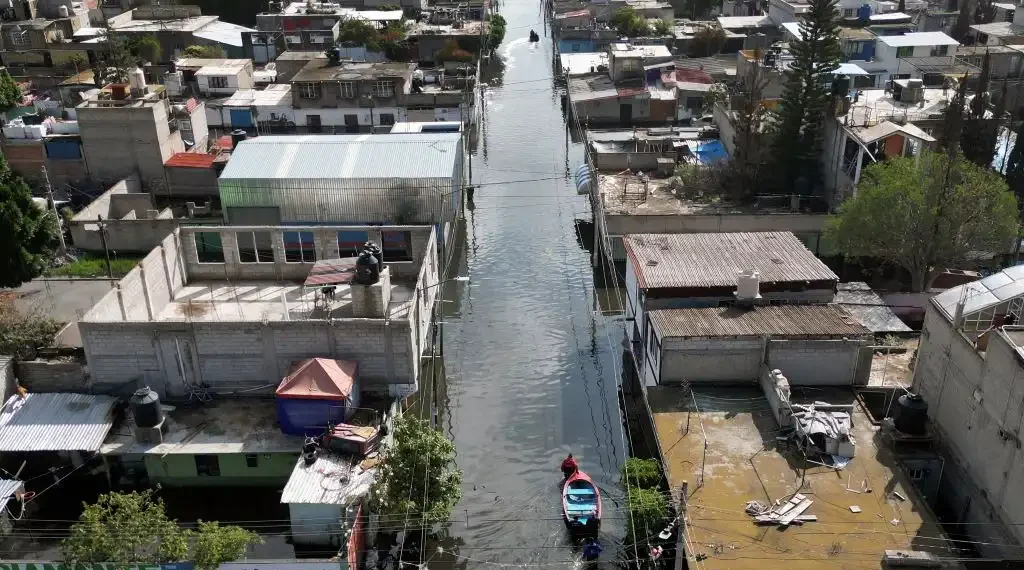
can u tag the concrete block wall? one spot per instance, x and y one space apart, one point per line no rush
818 362
711 360
146 289
51 376
118 141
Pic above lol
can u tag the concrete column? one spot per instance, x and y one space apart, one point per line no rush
145 292
167 271
374 236
277 244
326 242
229 242
120 303
371 301
188 246
269 350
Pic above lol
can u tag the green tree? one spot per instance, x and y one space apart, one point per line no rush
27 232
981 133
207 52
644 473
125 528
799 128
216 544
648 512
747 165
418 479
497 33
132 528
706 42
662 28
951 129
145 48
10 93
21 332
924 214
630 23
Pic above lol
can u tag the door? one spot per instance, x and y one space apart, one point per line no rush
351 123
625 113
313 123
241 118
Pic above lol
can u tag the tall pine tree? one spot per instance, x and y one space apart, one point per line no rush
1015 166
799 129
951 129
981 133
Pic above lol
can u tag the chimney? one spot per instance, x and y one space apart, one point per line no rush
748 288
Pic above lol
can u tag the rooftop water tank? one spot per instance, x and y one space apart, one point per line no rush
145 405
237 136
368 265
137 79
62 11
911 414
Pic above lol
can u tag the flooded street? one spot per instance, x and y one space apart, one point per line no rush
531 363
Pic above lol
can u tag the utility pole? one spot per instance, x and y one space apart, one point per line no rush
53 204
103 240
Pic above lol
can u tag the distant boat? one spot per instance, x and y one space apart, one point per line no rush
534 37
581 504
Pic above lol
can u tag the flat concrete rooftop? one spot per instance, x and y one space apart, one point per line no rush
744 462
212 301
623 194
226 426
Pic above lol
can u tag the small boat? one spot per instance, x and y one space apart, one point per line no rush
534 37
581 504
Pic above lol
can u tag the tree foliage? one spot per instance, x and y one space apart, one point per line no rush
638 472
799 129
10 93
706 42
1015 166
648 511
452 52
27 232
390 41
926 214
122 53
750 155
662 28
206 52
497 34
951 129
21 332
418 479
981 133
630 23
131 528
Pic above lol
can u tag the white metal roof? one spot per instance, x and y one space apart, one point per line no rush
983 294
889 16
919 39
330 480
275 95
390 156
744 21
850 69
223 32
55 422
8 487
583 63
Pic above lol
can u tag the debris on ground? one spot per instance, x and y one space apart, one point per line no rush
784 514
854 509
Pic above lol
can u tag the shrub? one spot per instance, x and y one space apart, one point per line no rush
648 511
642 473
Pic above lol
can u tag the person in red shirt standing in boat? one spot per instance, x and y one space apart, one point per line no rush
569 466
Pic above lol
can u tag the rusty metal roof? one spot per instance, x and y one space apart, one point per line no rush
55 422
773 320
715 259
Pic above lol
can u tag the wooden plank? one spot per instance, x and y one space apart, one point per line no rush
806 518
799 510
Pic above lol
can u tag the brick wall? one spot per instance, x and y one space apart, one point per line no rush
818 362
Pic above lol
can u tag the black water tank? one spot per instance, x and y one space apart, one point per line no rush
237 136
911 414
145 405
368 265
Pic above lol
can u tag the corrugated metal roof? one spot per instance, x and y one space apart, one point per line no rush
8 487
868 308
330 480
715 259
985 294
55 422
191 160
389 156
774 320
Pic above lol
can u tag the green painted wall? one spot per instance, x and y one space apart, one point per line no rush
179 470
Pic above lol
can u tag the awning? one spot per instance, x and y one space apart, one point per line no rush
331 272
849 69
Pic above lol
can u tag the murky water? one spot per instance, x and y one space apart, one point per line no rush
531 363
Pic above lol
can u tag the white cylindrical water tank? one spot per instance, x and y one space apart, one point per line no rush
748 284
137 79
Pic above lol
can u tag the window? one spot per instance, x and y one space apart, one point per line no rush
19 38
349 242
918 474
1008 17
347 90
850 13
630 65
293 39
252 460
254 247
218 82
383 89
940 51
208 247
309 90
694 103
397 245
387 118
905 51
207 466
299 248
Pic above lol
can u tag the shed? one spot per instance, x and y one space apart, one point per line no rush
318 393
320 495
55 422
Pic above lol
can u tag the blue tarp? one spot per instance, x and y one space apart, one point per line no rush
711 152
